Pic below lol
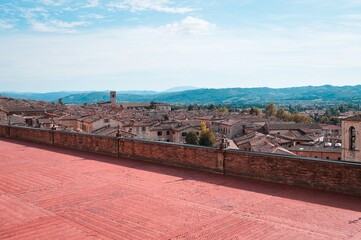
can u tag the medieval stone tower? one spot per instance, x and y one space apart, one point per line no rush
113 97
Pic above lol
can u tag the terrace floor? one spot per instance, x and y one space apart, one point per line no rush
55 193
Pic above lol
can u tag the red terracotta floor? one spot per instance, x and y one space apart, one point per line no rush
55 193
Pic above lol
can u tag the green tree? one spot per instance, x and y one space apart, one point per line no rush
270 110
280 113
223 110
255 111
152 105
192 138
301 118
284 115
207 137
212 107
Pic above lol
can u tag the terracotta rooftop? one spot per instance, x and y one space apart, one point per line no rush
293 126
55 193
356 118
316 147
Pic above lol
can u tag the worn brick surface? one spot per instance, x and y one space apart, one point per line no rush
91 143
175 154
3 131
31 134
48 192
325 175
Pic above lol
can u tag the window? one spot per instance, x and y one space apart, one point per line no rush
160 133
184 134
168 132
352 138
143 129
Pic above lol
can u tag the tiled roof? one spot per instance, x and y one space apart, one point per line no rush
293 126
135 104
71 117
316 147
353 118
23 109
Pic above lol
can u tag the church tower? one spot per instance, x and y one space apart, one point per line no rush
113 97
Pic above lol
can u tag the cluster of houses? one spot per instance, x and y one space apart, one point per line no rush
158 122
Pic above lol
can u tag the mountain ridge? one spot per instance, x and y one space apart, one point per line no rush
260 95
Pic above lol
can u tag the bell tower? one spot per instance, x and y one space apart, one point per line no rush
113 97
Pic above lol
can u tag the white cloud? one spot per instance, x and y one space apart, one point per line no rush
92 3
197 50
149 5
42 27
6 25
32 13
93 16
55 26
190 25
40 20
54 2
66 25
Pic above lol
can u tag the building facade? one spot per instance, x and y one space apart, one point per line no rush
351 138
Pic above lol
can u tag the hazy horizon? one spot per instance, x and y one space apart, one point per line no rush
165 90
70 45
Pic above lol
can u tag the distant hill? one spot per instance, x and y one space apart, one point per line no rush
325 94
47 97
180 89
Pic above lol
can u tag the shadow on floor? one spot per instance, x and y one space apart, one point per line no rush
284 191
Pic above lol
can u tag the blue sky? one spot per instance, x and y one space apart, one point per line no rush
49 45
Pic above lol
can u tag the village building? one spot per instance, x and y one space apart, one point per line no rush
162 132
90 124
135 105
44 123
180 132
137 129
230 127
163 107
25 111
69 121
324 150
351 138
256 141
331 133
296 133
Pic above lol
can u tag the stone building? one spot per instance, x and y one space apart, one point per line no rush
163 107
351 138
113 98
90 124
230 127
323 150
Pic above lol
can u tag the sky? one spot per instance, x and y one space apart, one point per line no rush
56 45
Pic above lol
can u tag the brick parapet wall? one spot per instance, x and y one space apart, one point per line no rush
209 159
4 131
86 142
320 174
344 177
28 134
